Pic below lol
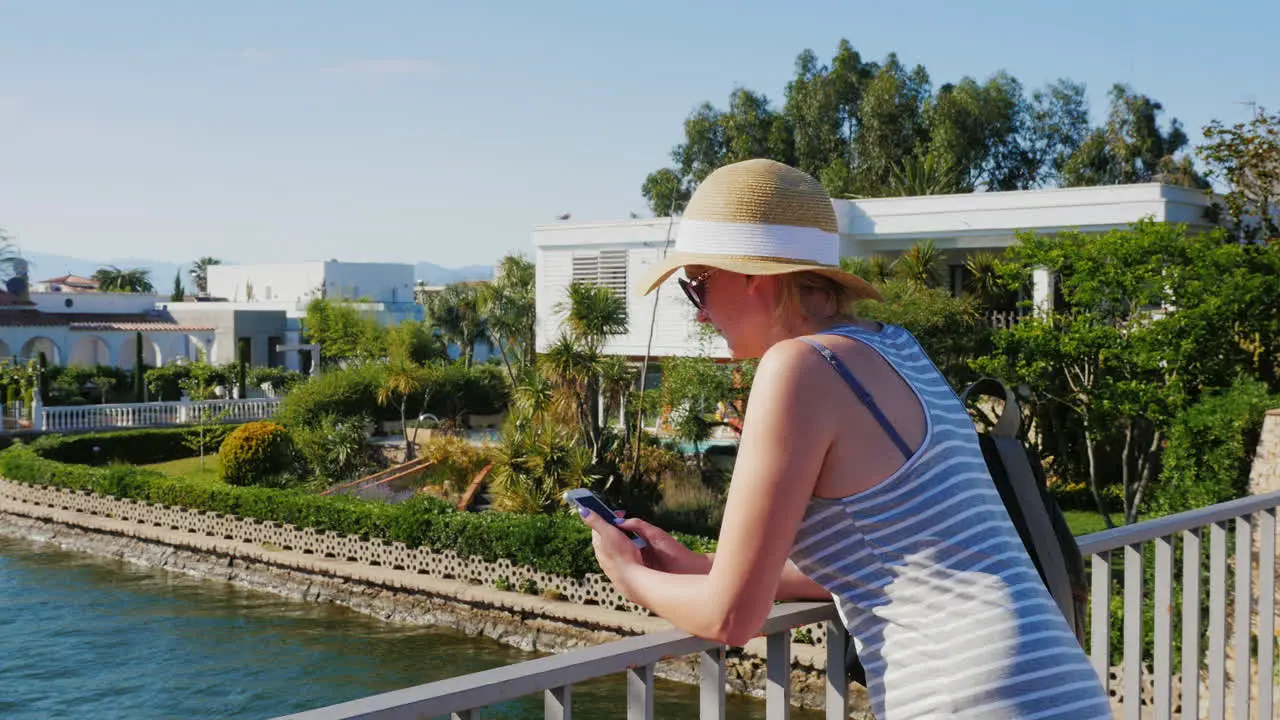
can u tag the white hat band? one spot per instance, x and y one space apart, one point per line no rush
785 242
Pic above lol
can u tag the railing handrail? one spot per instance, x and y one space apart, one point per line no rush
108 406
1146 530
509 682
153 404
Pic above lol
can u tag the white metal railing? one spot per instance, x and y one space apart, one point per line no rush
154 414
1245 665
1253 645
554 676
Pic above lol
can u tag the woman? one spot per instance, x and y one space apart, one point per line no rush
858 478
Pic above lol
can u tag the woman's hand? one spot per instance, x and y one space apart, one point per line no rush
665 553
615 552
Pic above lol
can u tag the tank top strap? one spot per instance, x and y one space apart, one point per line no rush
865 397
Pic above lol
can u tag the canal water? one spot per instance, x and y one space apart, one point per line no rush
89 637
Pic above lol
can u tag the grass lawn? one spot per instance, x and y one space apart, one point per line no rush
189 468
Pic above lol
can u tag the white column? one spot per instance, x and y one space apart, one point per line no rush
37 410
1042 290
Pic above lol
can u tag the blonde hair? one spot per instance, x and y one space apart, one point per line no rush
815 297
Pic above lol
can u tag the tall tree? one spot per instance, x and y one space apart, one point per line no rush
200 272
892 124
1246 156
1058 125
132 280
179 293
1131 147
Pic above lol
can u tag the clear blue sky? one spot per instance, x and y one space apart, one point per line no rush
405 131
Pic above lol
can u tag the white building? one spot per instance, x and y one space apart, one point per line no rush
615 254
386 283
96 328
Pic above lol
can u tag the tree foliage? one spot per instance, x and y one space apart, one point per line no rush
873 129
200 272
1154 318
1246 156
131 280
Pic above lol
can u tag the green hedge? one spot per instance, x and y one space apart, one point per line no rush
559 544
135 447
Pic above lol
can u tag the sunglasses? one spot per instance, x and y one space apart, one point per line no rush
694 289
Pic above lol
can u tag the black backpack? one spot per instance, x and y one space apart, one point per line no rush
1019 477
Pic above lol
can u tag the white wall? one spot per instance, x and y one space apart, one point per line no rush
992 219
380 282
674 333
287 282
64 346
301 282
94 302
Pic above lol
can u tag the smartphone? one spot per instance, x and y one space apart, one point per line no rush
585 498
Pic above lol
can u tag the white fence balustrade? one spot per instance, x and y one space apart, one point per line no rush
1225 676
154 414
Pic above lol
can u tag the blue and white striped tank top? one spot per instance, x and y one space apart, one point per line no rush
946 610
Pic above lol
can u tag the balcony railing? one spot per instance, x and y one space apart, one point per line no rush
1238 675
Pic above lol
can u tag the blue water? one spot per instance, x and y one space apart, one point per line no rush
89 637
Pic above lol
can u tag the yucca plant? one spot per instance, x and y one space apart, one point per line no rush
921 265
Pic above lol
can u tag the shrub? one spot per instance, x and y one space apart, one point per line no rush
67 385
479 390
135 447
332 451
338 393
1210 448
280 380
556 543
535 465
256 453
950 329
454 463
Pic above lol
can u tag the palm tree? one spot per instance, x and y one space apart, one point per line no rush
405 379
985 281
200 272
876 269
926 176
575 364
457 313
593 312
10 259
921 265
132 280
508 306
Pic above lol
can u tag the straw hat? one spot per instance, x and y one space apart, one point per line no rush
759 217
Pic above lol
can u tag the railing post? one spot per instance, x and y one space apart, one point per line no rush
1164 628
1217 620
1244 613
640 693
1100 616
837 701
557 703
1267 613
778 676
1133 631
1191 622
711 688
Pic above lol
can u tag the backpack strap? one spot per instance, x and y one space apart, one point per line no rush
1046 545
863 396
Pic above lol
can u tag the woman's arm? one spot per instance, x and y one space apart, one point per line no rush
785 440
